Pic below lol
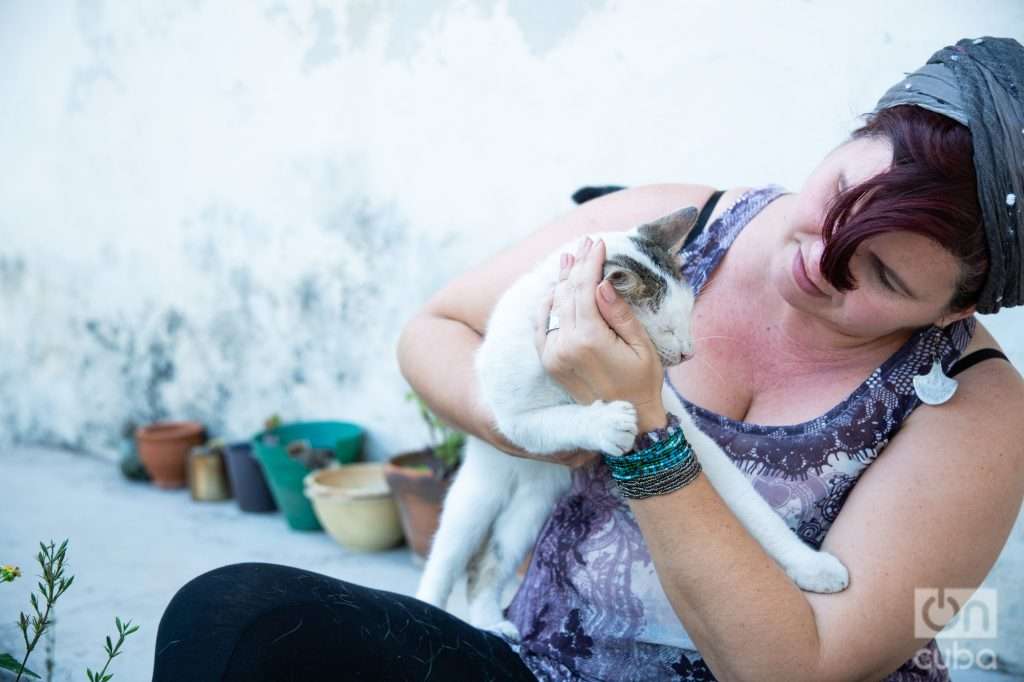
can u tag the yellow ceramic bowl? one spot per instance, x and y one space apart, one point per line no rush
354 505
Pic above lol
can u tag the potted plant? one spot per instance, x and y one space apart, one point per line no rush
420 479
247 480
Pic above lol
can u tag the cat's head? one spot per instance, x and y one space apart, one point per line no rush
643 267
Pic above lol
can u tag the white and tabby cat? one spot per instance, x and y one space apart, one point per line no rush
497 503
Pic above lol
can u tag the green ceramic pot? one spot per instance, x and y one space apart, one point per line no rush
285 475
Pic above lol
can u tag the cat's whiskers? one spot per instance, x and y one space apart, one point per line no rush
708 365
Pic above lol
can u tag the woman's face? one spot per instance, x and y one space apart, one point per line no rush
903 280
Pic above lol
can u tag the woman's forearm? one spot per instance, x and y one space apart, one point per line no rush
744 614
435 354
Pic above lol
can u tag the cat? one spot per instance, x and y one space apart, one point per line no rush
498 502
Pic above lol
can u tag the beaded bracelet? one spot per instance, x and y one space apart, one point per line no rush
661 461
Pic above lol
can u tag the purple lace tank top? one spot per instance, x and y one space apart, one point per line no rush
590 606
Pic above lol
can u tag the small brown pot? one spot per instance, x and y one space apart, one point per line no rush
419 491
164 447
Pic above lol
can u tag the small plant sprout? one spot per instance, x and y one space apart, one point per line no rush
51 587
446 442
113 650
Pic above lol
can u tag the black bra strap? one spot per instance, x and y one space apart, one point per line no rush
702 219
971 359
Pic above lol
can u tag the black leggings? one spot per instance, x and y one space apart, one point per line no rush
266 622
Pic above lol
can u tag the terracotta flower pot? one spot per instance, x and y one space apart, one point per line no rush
419 493
164 447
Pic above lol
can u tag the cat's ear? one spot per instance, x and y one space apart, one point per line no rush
671 229
626 282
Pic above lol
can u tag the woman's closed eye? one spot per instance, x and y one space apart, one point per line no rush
885 280
877 269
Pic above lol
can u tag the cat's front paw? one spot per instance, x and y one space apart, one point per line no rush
614 426
819 572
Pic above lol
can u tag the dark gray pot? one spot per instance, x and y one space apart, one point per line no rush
247 481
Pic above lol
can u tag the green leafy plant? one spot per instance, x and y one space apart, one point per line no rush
51 560
213 446
269 424
446 442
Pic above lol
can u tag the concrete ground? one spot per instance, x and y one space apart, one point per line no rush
132 545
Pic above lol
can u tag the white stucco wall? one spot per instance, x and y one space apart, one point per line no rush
224 210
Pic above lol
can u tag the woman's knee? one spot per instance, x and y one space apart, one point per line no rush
212 590
220 578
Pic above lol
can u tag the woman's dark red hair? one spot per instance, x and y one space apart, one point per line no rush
930 189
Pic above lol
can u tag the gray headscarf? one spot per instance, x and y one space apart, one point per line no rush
980 82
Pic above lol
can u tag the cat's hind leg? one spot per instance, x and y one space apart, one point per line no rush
470 506
514 534
812 570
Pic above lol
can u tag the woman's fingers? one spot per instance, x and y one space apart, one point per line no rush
564 306
568 260
585 278
540 326
547 305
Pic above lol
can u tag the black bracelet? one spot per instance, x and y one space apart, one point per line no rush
663 483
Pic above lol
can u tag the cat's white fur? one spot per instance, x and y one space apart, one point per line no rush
497 503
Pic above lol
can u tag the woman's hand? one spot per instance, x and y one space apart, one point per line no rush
600 351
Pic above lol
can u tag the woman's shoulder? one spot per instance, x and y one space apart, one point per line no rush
671 195
994 377
729 197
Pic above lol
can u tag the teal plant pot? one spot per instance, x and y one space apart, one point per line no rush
285 475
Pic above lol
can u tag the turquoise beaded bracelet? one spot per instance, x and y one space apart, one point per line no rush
661 461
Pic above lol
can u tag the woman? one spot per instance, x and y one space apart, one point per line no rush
815 312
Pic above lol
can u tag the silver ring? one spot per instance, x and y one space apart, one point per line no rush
552 323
